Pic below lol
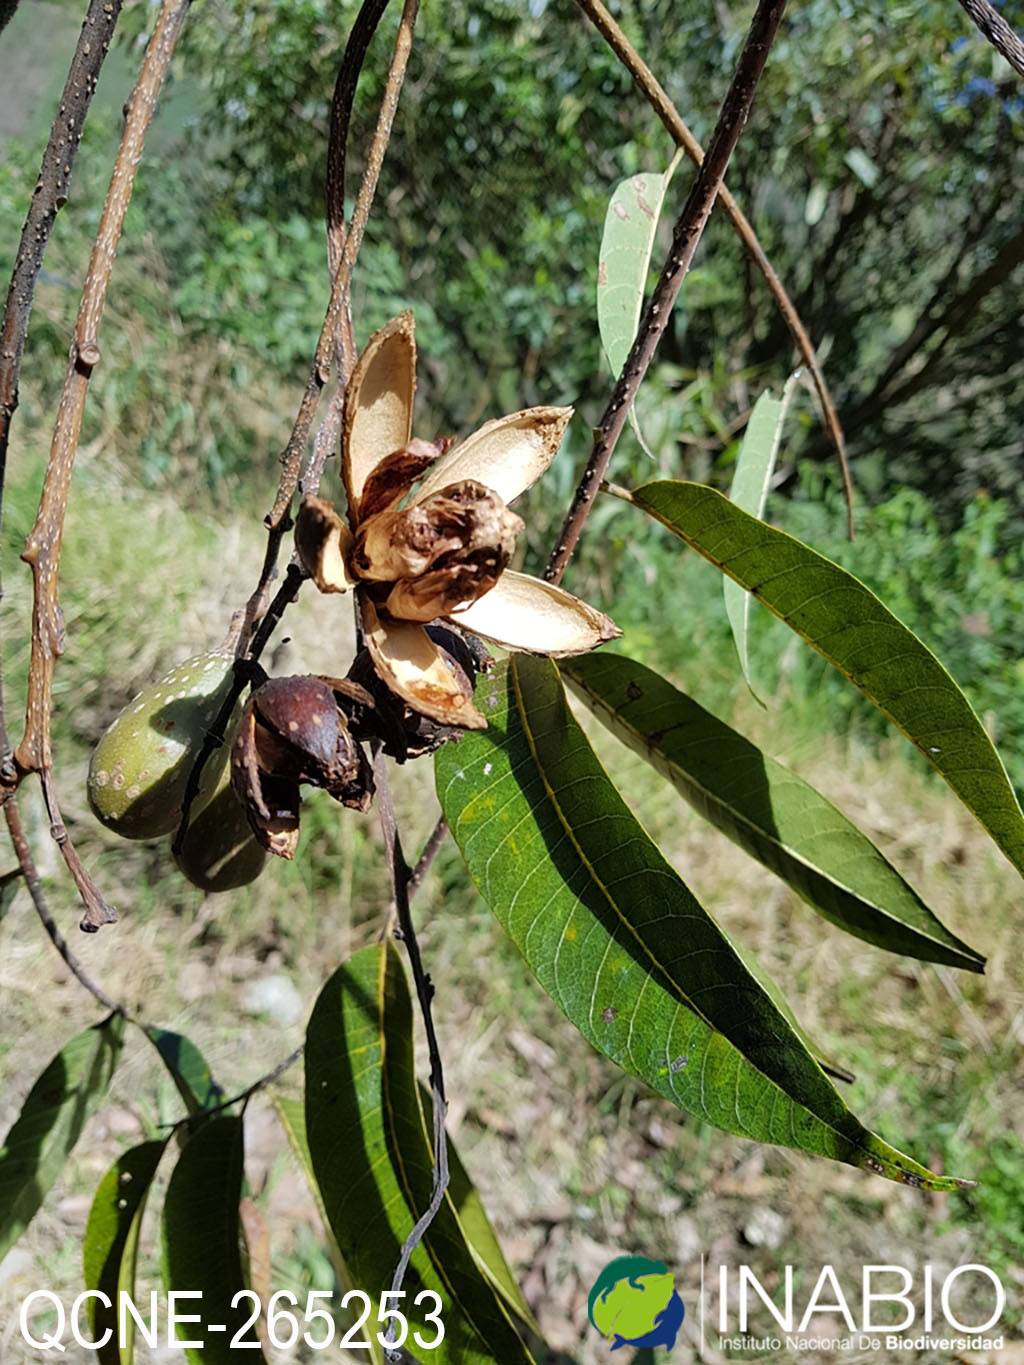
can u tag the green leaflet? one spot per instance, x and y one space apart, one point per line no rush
111 1245
750 483
373 1164
618 941
847 624
769 811
201 1248
627 241
51 1121
188 1069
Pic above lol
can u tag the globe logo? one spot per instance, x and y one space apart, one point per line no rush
634 1303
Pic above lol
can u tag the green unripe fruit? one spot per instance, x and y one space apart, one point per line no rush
139 769
220 852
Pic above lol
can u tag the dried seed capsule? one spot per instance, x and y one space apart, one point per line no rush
139 768
220 851
375 712
291 732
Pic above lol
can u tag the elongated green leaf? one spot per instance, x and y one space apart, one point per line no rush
750 483
188 1069
201 1249
110 1248
617 939
51 1121
847 624
770 812
374 1165
630 226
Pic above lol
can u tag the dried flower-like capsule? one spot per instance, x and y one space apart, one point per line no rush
441 553
322 542
444 555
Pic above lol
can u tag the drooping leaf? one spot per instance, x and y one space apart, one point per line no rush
630 226
618 940
51 1121
110 1248
773 814
201 1249
188 1069
847 624
464 1196
374 1164
751 480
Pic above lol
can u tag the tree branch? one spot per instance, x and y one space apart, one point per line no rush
343 246
400 879
35 889
48 198
648 85
43 547
994 28
685 239
335 339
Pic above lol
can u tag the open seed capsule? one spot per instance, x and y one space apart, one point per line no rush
139 769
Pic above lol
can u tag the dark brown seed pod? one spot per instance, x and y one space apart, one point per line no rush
271 804
375 712
292 732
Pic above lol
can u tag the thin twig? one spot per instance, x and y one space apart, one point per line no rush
245 666
343 246
49 196
428 853
648 85
685 239
35 890
341 112
400 879
43 547
991 24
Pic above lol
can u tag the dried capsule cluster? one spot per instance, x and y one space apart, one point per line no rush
439 551
311 730
292 733
426 546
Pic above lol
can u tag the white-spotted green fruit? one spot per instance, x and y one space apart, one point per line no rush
139 769
220 852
